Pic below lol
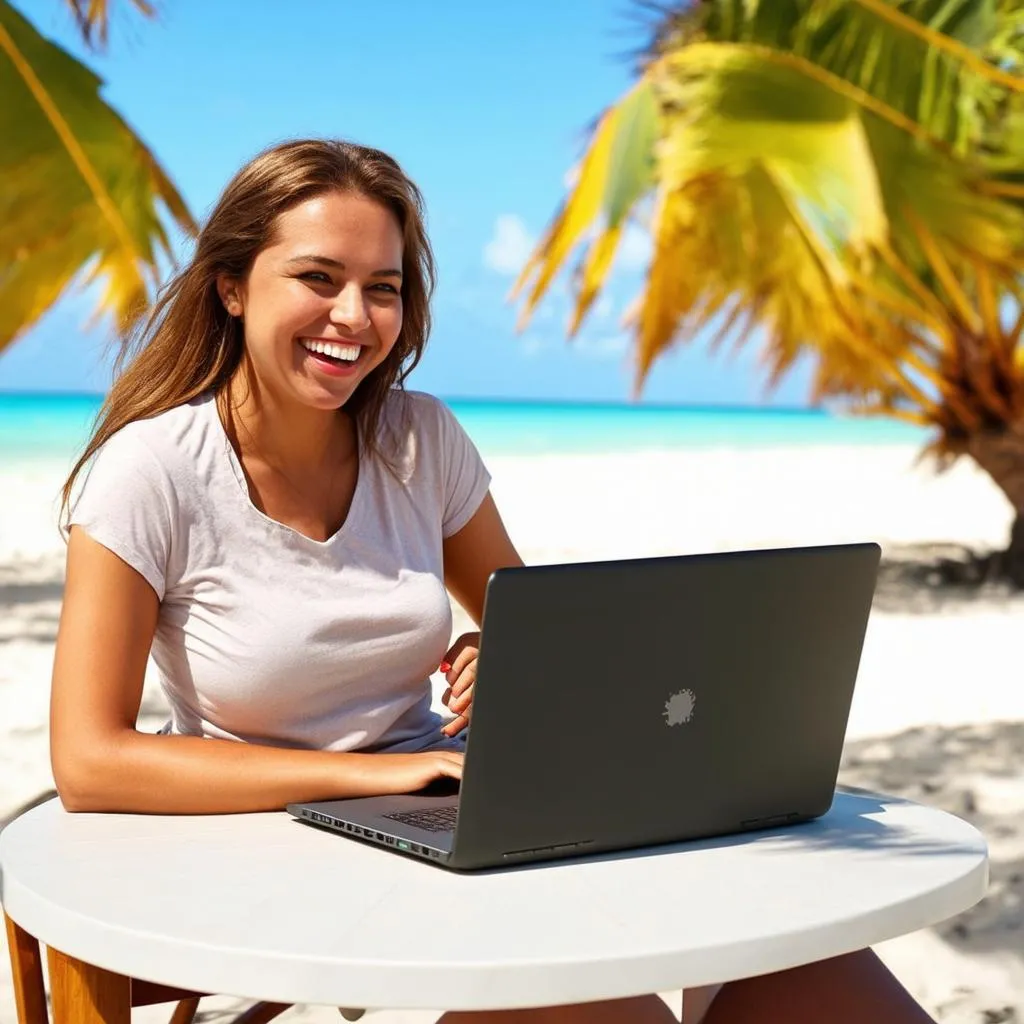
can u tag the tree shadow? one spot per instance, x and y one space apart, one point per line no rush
973 772
31 592
928 578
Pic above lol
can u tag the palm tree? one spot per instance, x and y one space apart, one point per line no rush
80 189
846 176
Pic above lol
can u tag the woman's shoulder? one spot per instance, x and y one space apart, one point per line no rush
415 403
173 437
411 433
415 412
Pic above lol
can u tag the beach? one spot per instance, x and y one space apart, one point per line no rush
938 713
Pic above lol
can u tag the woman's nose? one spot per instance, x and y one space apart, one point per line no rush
349 309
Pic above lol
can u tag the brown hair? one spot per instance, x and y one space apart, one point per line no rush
188 344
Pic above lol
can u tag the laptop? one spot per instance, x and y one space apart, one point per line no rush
624 704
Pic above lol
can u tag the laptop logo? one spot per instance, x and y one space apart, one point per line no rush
679 707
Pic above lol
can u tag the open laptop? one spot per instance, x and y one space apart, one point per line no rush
628 703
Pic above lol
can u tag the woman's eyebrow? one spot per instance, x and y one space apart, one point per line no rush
336 264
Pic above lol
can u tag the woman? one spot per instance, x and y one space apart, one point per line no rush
281 523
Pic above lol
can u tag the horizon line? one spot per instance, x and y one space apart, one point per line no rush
609 403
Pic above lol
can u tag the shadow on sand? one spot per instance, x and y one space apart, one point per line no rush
30 594
927 578
975 773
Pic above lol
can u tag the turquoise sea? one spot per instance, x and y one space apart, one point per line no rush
41 426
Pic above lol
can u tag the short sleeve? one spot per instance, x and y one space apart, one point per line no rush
126 504
465 476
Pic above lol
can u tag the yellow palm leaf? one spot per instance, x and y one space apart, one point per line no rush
575 217
847 183
93 17
81 190
615 172
594 270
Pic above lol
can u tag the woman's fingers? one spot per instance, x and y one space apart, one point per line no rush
454 727
464 677
459 667
456 660
460 701
459 722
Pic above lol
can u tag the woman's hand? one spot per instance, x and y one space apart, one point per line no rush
406 773
459 667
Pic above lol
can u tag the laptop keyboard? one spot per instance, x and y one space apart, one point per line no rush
439 819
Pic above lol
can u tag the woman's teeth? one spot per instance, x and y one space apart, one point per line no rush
346 353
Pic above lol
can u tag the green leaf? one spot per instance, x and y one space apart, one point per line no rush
81 192
845 177
631 164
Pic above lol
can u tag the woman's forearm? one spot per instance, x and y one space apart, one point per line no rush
142 773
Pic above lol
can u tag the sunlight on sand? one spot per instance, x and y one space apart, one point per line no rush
939 709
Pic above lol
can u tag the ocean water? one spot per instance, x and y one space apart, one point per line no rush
37 426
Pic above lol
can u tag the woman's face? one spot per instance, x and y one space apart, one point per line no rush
330 279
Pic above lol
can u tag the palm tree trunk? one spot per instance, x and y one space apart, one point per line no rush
1002 457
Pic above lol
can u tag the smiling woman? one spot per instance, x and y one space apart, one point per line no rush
257 483
280 524
327 239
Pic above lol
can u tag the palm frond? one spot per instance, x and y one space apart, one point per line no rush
940 42
843 176
73 171
93 18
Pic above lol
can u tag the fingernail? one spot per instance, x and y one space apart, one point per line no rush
445 667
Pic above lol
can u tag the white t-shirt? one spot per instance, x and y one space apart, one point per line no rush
264 635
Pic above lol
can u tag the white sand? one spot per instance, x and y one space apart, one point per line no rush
934 657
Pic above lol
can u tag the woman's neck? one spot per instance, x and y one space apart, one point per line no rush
295 439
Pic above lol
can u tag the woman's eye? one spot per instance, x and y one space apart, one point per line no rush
315 275
387 287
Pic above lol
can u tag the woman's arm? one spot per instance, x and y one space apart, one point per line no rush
472 554
102 763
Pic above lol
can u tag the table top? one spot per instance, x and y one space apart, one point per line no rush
262 906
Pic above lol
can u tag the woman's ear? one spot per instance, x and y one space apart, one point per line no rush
227 289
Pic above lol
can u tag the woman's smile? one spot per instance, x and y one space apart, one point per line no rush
334 358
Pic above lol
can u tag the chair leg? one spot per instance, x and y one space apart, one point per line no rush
185 1011
261 1013
27 968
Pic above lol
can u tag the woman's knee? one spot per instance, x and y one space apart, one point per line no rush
636 1010
847 989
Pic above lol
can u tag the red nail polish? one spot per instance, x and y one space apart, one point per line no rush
445 667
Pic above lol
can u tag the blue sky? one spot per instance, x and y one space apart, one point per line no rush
486 106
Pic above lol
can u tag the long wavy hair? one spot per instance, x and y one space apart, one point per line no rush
188 344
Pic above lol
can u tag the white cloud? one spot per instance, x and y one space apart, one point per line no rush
510 246
531 344
604 347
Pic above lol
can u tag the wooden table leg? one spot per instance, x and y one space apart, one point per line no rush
84 994
27 968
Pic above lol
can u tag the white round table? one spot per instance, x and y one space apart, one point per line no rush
259 905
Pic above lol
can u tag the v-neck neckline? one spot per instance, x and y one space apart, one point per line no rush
243 485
